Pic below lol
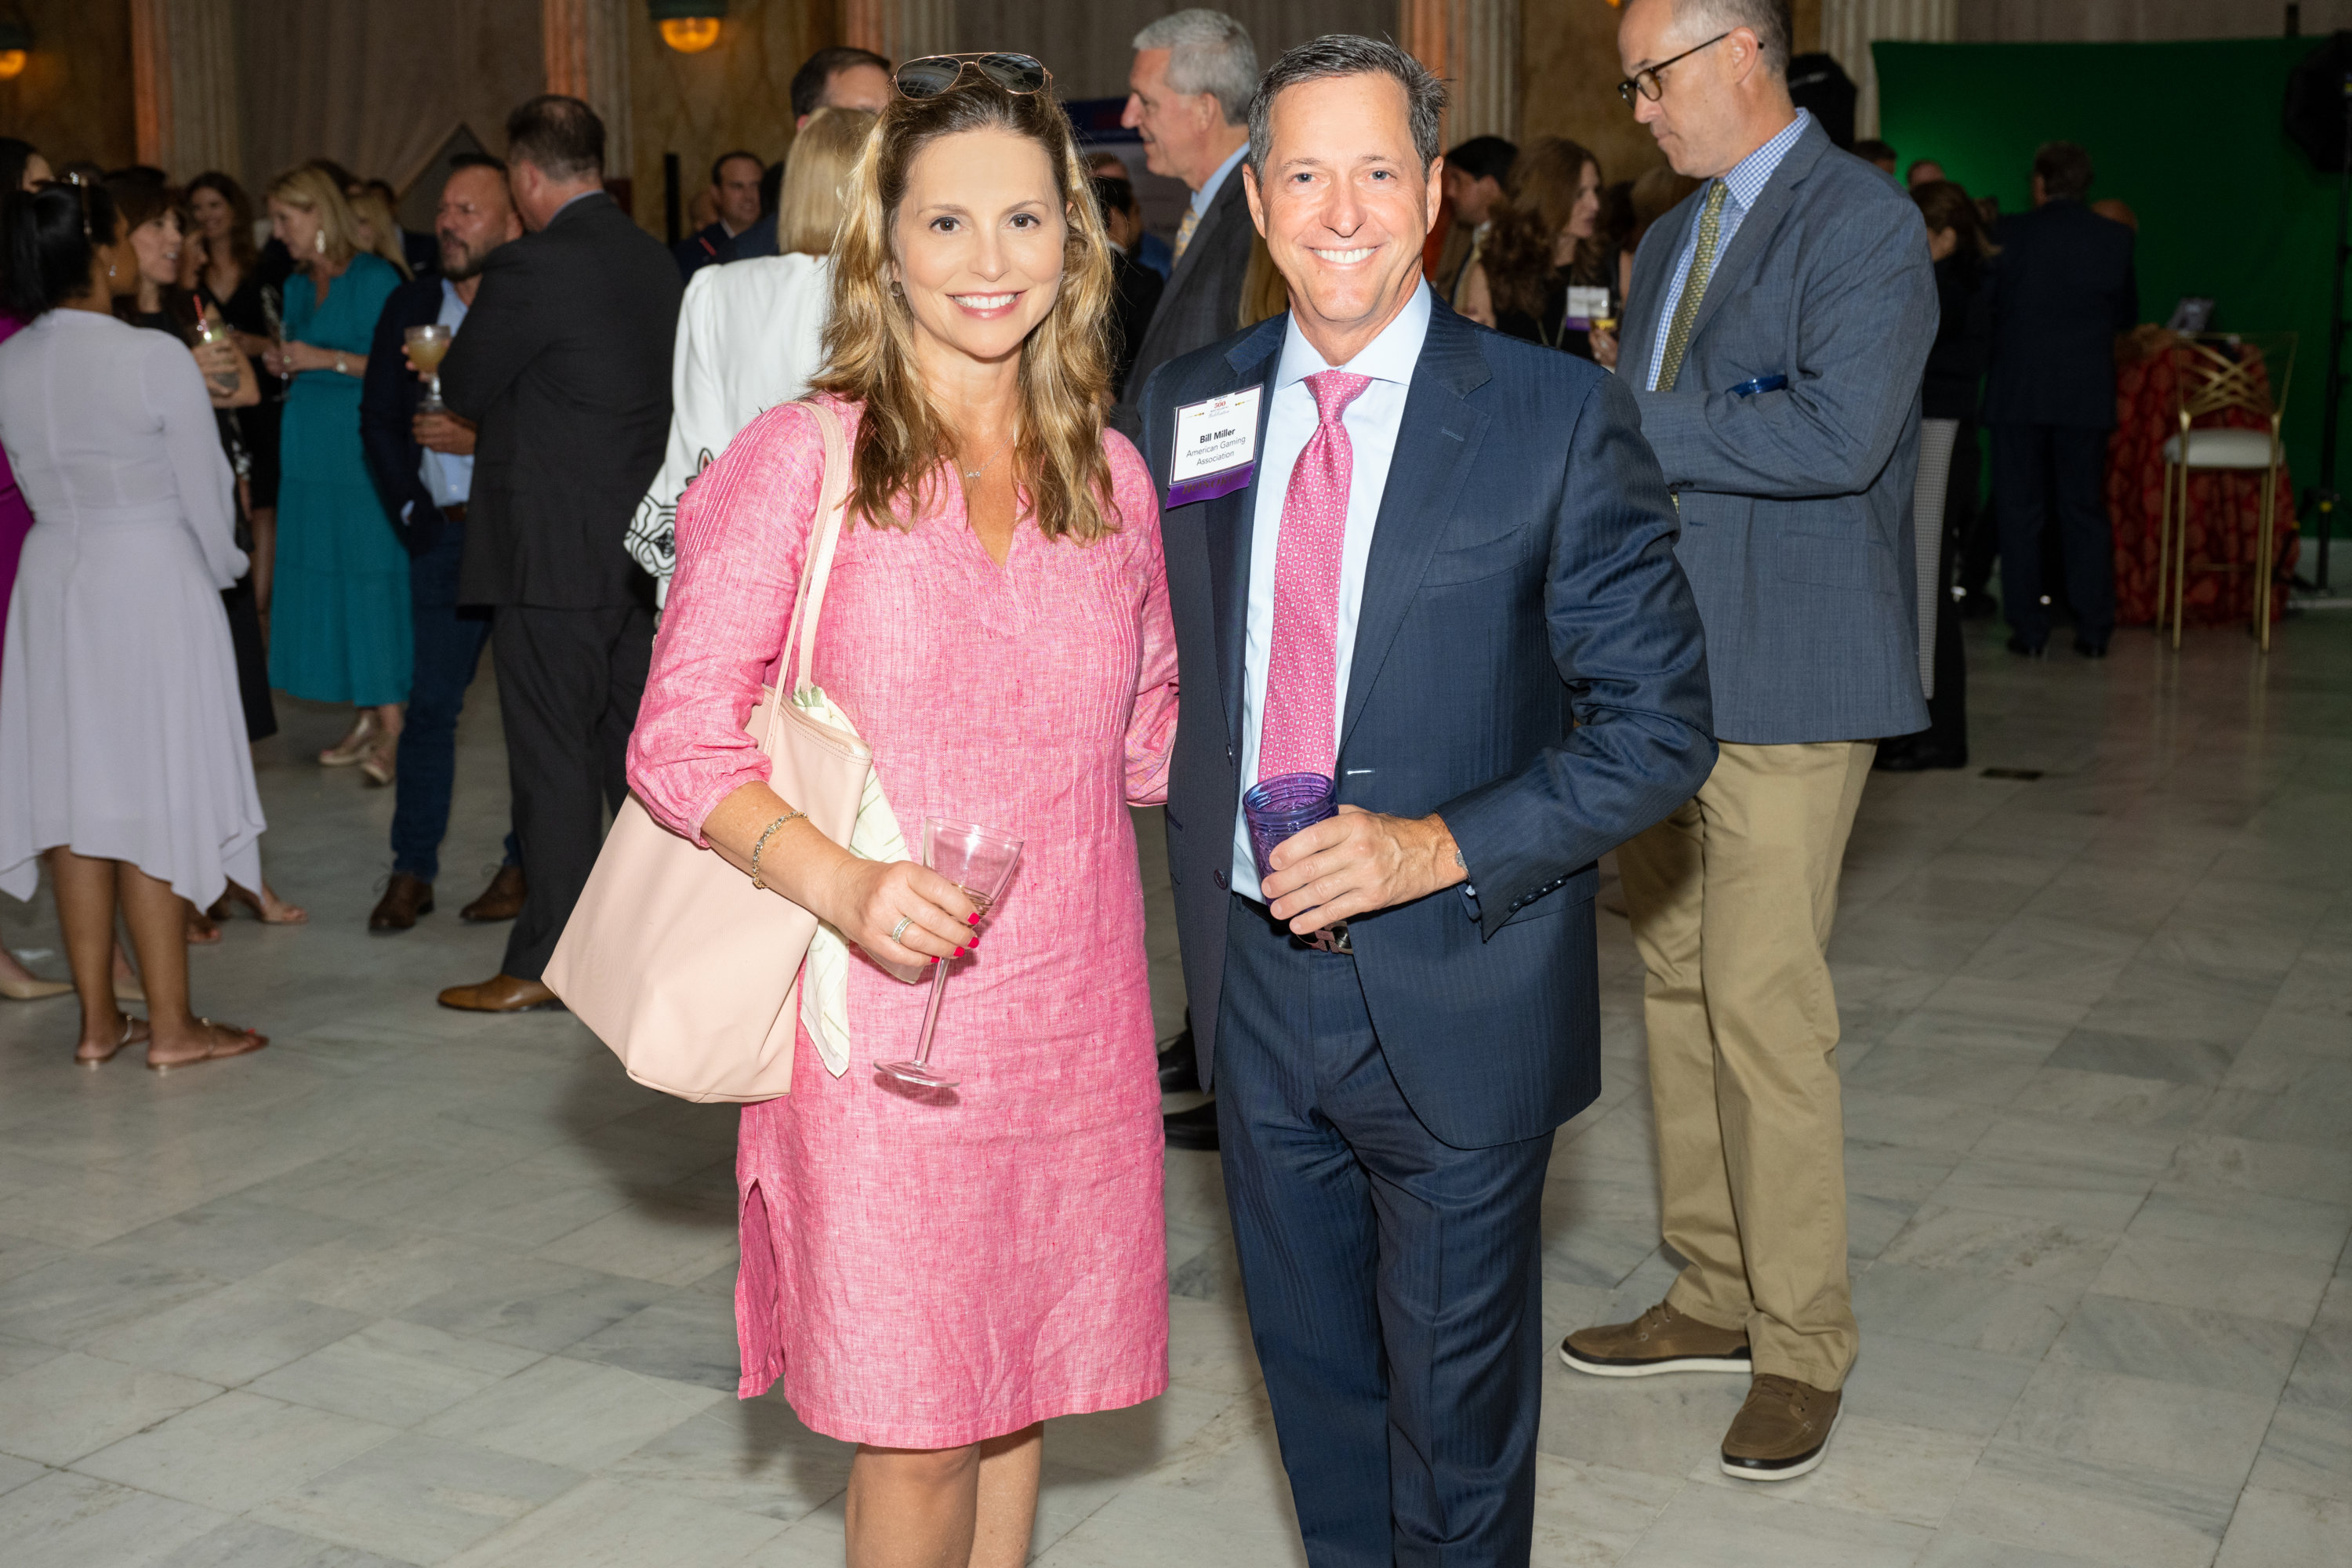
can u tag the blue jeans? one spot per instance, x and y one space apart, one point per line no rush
448 651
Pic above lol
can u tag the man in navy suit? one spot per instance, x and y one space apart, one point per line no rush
1441 569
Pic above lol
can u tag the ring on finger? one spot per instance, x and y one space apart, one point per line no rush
898 932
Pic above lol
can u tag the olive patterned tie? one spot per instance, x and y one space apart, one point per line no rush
1702 266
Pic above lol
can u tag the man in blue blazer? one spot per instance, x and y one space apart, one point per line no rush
1776 338
1438 565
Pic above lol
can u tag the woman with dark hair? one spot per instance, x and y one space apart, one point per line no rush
117 612
1541 275
232 278
1944 504
934 1277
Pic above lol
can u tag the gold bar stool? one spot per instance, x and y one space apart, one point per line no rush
2221 373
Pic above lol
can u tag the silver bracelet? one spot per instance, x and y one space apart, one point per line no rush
762 844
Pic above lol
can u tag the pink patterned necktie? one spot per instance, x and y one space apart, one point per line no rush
1298 733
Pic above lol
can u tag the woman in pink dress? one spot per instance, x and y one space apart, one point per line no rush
932 1276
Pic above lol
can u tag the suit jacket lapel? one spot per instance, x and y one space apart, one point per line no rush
1755 228
1437 441
1226 523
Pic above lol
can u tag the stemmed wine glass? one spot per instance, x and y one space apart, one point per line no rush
427 345
980 861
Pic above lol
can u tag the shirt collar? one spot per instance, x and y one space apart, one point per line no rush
575 201
1389 357
1210 186
449 297
1747 178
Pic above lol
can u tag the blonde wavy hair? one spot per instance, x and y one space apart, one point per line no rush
382 226
314 191
1066 364
816 178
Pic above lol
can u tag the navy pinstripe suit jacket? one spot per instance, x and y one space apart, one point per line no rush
1529 664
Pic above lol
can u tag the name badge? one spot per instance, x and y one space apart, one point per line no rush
1217 446
1586 306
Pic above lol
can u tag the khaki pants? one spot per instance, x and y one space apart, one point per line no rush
1732 899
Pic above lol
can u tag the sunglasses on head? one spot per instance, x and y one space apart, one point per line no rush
932 75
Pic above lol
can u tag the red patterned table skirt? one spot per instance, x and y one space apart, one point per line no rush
2224 508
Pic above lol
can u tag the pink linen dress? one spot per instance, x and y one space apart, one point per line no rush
929 1272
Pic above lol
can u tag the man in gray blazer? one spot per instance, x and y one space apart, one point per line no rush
1190 92
1775 337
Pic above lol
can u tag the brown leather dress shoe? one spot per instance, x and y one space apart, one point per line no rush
500 993
1660 1339
405 898
501 900
1782 1432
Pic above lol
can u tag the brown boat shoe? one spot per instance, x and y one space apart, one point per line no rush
1660 1339
1782 1431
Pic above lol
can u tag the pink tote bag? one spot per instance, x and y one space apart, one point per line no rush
689 973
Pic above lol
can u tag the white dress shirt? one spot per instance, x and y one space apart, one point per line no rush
1371 422
450 477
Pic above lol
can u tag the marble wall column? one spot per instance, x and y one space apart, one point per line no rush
588 57
1475 45
185 85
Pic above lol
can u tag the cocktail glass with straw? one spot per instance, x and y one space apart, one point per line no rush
980 861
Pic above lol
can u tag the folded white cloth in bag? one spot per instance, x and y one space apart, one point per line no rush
824 975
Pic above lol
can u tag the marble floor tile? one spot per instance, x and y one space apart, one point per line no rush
395 1374
1913 1121
2206 1434
1589 1516
22 1255
378 1269
2274 1118
1966 1310
517 1205
229 1237
230 1337
2055 958
688 1337
1919 1383
2219 1279
571 1414
17 1355
1209 1345
66 1520
2257 1221
2282 1530
671 1241
1223 1498
1139 1439
15 1472
2249 1356
1658 1425
416 1498
2108 1513
74 1298
2054 1255
234 1451
2209 1161
1959 1549
534 1304
242 1543
1984 1074
73 1405
2308 1450
2086 1173
2113 1052
1754 1527
620 1524
2145 1104
751 1456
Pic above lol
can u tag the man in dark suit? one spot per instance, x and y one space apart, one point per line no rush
1139 286
423 465
1776 333
565 366
2062 289
1444 575
1188 96
1476 174
735 191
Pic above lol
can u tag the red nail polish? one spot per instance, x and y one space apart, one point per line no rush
975 919
934 960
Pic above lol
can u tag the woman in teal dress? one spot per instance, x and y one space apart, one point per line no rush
341 625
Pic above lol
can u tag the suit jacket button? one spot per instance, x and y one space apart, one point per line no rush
1221 880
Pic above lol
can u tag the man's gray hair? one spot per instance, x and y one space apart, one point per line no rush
1767 19
1346 54
1210 52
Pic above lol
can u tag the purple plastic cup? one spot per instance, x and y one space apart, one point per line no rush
1277 807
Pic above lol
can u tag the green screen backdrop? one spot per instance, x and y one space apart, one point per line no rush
2189 134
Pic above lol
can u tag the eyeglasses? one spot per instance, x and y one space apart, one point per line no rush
932 75
1652 83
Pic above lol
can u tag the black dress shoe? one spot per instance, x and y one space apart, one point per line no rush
2024 649
1918 759
2090 650
405 898
1193 1129
1180 1068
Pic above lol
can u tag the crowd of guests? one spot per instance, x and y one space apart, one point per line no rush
341 464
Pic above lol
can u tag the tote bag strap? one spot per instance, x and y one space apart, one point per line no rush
808 599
